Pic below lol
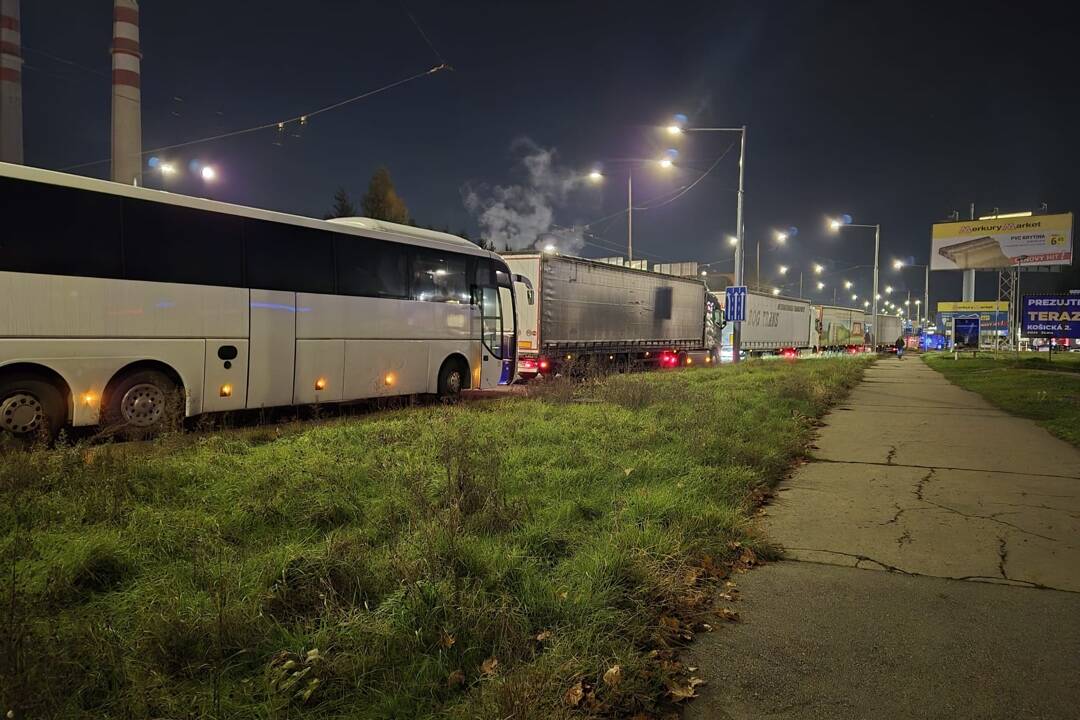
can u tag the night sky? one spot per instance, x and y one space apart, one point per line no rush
889 112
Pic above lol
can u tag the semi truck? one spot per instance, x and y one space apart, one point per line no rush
583 313
773 325
839 328
885 331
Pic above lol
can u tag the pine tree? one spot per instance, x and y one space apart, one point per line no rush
382 202
343 206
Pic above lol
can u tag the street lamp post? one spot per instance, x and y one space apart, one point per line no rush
900 265
736 332
836 225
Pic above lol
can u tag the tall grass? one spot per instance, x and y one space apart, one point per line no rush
473 561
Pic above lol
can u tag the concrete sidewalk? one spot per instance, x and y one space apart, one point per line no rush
945 497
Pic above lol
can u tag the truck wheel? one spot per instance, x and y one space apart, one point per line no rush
141 404
30 406
451 380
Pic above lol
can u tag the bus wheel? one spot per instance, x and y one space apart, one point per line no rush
30 406
451 380
141 403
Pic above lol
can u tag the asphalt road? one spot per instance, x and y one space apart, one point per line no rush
932 571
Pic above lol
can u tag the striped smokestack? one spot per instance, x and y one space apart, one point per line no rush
11 134
126 98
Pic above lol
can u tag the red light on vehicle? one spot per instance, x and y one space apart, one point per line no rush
528 364
544 364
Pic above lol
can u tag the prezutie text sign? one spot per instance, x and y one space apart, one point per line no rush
1052 316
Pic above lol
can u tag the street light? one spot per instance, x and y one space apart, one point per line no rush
781 237
837 224
167 168
550 249
900 265
209 174
820 285
776 291
783 269
733 241
740 232
674 130
888 289
818 269
854 297
848 284
597 176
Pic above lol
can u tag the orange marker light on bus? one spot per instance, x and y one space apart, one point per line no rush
320 384
390 378
225 391
88 398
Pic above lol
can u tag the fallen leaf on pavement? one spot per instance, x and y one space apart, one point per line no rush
728 614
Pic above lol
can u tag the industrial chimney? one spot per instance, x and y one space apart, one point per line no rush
126 98
11 135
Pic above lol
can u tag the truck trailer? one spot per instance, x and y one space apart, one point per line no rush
839 328
885 331
583 313
774 325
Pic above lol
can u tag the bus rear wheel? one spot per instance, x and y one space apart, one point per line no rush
142 404
30 406
451 380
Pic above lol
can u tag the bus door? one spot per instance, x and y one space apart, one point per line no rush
498 332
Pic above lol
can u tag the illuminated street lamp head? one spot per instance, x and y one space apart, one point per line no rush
907 302
732 240
888 289
209 174
704 273
878 296
666 163
818 269
898 264
781 237
674 129
776 291
848 284
783 269
866 303
835 225
821 286
918 302
167 168
596 176
854 297
549 249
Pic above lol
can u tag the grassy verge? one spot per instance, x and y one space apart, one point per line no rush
533 558
1032 387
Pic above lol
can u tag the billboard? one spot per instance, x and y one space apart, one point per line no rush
993 244
966 334
1054 316
949 306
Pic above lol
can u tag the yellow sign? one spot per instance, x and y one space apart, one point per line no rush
525 344
985 306
1002 242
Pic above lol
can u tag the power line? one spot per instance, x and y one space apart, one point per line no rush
280 125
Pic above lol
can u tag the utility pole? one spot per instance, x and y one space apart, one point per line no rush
630 217
736 333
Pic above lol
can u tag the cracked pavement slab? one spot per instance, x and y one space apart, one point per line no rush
948 501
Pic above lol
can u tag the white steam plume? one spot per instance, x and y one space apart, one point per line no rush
522 216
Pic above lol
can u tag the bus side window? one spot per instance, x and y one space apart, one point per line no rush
439 276
59 231
372 268
287 257
167 243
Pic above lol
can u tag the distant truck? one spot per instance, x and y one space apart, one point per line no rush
774 325
839 328
884 332
582 313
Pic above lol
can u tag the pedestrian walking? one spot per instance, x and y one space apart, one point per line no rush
900 347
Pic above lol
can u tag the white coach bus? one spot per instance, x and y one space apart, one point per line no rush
115 298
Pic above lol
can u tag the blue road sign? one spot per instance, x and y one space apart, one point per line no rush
735 303
1054 316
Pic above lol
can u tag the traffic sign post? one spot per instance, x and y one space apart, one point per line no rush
735 303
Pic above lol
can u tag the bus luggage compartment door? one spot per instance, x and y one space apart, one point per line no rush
273 348
225 380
